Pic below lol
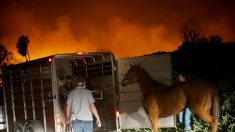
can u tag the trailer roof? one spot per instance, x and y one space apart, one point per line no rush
85 57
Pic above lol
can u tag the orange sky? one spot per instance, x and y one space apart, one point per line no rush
125 27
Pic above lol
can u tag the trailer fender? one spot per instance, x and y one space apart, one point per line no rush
33 126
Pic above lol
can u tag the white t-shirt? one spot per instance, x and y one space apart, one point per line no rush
79 100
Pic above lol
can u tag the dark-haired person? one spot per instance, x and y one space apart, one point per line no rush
64 91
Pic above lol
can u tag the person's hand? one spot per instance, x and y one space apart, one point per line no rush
67 121
98 122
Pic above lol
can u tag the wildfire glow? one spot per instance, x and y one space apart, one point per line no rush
126 28
121 38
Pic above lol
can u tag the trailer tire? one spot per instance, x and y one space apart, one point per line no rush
19 126
33 126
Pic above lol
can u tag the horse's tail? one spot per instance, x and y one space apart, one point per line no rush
215 105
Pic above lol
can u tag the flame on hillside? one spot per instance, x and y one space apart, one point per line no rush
125 28
120 38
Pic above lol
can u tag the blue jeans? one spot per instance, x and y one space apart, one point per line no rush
82 126
184 117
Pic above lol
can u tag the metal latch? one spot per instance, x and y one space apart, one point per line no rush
97 94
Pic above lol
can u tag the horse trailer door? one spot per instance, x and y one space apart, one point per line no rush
99 70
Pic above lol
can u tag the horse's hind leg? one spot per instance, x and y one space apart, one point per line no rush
205 116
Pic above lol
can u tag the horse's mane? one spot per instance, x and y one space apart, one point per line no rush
157 84
146 75
160 85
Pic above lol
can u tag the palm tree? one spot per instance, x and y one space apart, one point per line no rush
22 46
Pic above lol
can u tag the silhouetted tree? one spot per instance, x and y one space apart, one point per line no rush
190 31
22 46
5 58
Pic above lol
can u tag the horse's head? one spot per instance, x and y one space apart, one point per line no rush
130 77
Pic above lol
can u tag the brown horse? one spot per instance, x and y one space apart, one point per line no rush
161 100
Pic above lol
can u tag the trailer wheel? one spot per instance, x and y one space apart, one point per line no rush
34 126
18 127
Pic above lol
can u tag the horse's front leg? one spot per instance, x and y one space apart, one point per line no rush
153 116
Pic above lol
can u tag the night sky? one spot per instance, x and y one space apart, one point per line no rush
125 27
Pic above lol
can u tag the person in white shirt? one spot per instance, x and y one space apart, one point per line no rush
80 107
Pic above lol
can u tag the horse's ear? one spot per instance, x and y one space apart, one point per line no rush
130 65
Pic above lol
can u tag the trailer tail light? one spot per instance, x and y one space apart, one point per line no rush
57 120
49 59
118 121
80 53
117 114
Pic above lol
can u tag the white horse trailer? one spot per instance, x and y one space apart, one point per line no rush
32 91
